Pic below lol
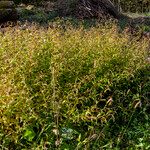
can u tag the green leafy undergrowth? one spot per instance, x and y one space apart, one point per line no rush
73 89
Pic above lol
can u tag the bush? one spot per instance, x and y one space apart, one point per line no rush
133 6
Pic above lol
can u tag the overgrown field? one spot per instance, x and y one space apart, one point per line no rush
73 88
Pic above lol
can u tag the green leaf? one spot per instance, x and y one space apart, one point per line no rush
29 134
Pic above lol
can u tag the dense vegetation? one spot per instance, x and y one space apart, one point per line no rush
74 84
134 5
73 88
127 5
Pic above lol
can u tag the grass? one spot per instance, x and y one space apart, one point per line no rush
73 88
134 15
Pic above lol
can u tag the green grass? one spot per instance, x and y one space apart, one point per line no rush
73 89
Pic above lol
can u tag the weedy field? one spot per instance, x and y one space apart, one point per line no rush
73 88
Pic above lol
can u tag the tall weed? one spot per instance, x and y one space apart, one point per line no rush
73 89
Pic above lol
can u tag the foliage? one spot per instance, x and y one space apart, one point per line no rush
73 88
27 1
127 5
36 15
134 6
